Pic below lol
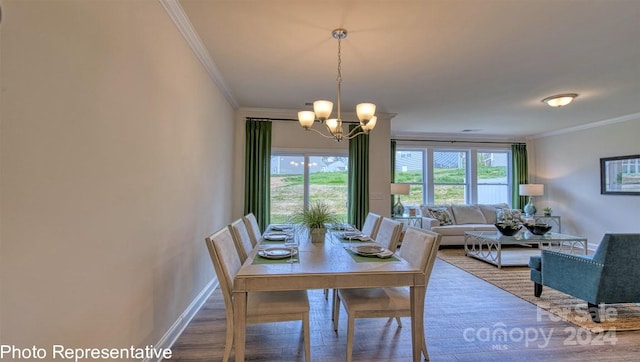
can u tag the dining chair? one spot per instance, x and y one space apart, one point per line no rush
241 238
419 248
371 224
388 234
254 229
262 307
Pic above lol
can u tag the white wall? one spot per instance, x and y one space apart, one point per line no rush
568 164
288 134
116 163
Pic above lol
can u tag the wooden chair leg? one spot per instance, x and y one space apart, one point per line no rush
399 322
228 343
425 353
326 294
307 337
335 313
350 329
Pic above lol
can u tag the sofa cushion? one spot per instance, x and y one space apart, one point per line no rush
468 214
442 215
452 229
483 227
489 211
459 230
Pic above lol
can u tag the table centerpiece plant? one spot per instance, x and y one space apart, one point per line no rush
315 218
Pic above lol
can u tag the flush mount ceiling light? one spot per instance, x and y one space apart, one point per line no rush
560 100
322 109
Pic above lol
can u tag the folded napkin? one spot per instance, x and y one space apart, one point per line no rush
359 237
280 227
275 236
385 254
343 227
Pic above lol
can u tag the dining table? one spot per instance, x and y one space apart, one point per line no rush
326 265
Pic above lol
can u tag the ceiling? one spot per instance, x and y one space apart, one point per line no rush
449 68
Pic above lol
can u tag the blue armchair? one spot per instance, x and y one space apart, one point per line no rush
610 275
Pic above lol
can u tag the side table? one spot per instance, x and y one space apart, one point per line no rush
415 221
553 220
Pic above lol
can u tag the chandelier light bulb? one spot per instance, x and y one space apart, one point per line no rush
368 126
322 109
365 111
306 118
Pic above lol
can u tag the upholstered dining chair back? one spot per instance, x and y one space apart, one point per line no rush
226 263
371 224
420 248
241 238
253 228
388 234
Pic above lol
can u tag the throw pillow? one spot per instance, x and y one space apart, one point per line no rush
468 214
441 215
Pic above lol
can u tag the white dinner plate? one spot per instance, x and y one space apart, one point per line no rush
367 250
277 253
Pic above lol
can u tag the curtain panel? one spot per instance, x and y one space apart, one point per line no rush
393 169
520 174
257 162
358 179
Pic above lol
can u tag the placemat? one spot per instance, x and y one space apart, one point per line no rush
367 259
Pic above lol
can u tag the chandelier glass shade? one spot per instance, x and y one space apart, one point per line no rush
322 109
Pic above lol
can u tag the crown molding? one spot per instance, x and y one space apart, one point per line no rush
177 14
583 127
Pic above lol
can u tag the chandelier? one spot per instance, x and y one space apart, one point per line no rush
322 109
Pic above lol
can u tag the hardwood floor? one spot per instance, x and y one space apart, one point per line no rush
462 315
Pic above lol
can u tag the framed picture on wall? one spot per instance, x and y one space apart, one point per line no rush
620 175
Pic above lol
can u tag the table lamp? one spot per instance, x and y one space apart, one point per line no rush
530 190
399 189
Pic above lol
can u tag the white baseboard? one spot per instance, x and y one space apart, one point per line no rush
183 320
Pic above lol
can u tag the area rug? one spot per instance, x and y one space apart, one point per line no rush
515 280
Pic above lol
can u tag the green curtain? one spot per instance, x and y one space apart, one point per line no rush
257 170
358 179
520 174
393 168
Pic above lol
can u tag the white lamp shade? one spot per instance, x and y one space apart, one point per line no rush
531 190
306 118
371 124
322 109
400 189
332 124
365 111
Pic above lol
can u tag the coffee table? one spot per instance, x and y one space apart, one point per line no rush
488 246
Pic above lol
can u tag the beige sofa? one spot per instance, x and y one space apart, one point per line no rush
463 218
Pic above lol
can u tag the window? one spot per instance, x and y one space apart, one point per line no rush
446 176
410 170
493 177
450 177
299 179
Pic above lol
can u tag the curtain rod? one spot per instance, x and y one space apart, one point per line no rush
287 120
454 141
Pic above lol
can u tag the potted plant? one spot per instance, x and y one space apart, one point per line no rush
314 219
547 211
